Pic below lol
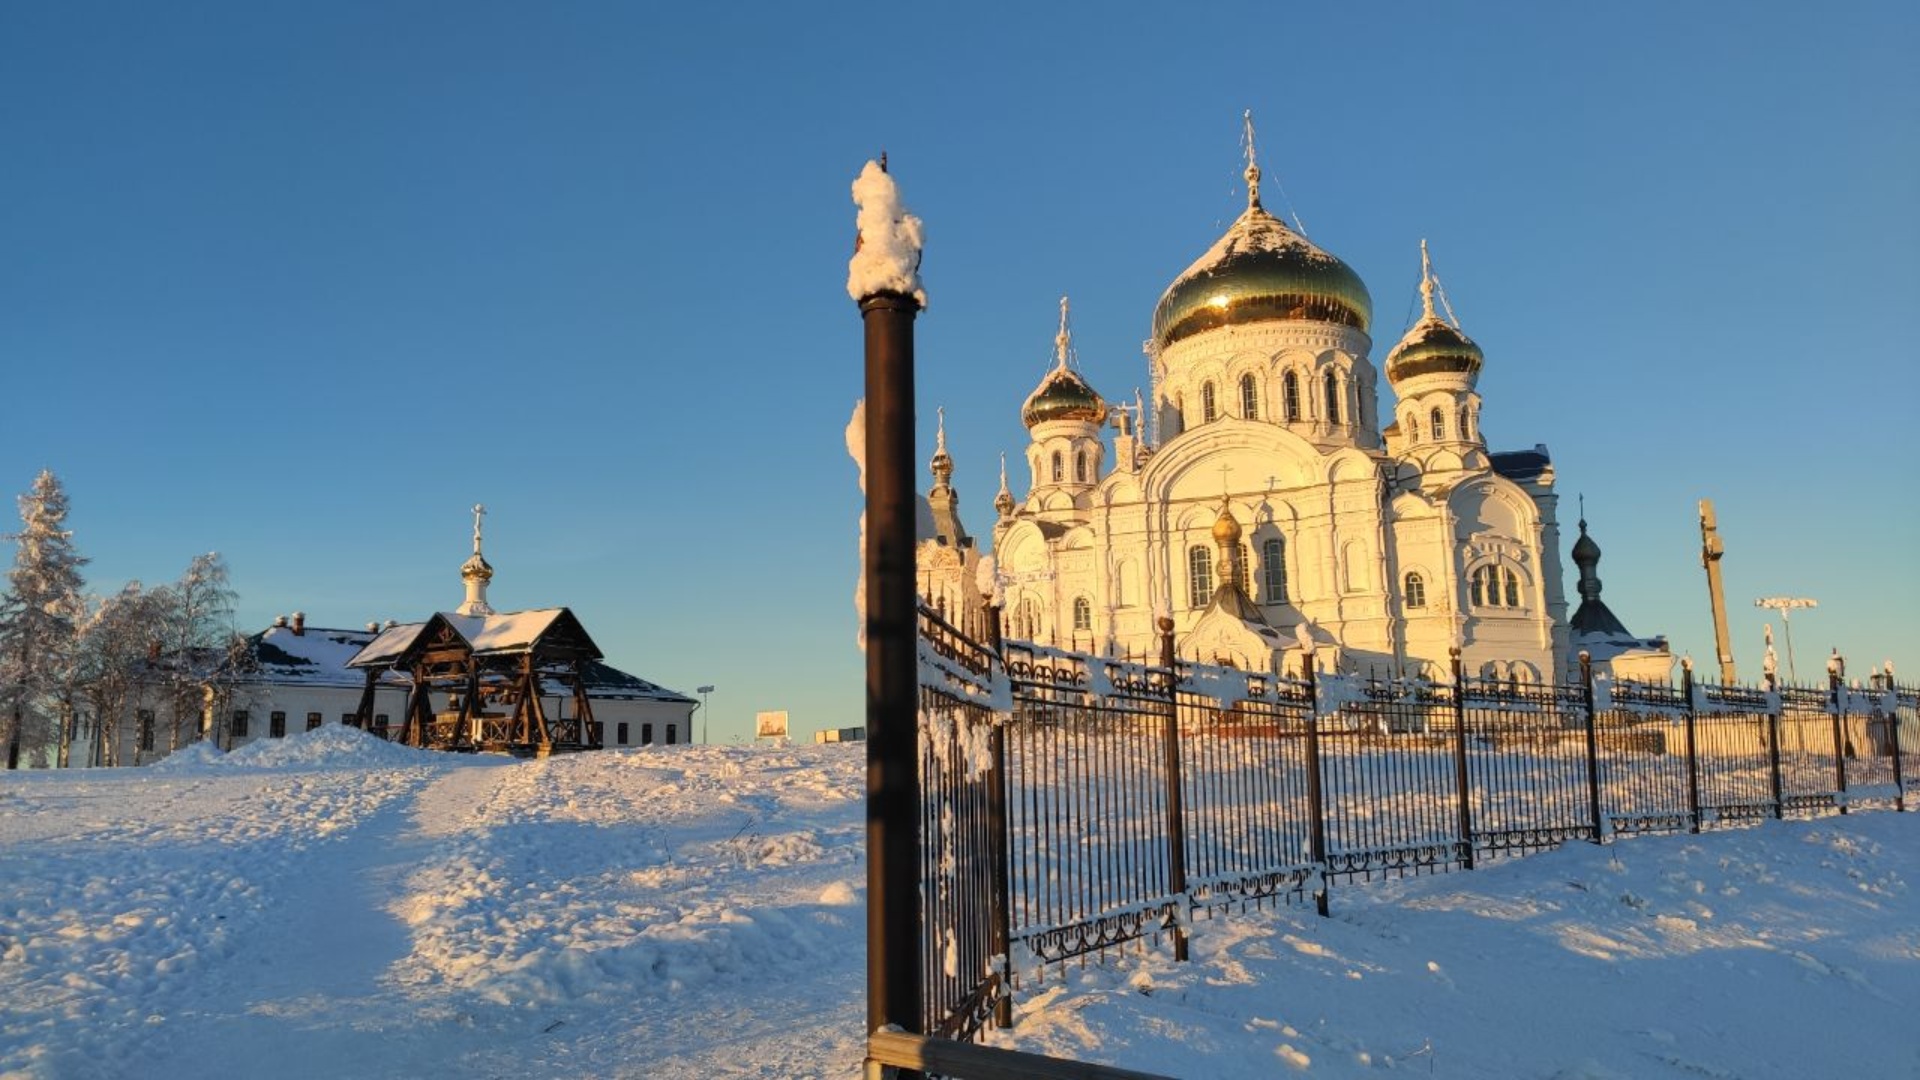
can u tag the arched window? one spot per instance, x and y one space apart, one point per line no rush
1438 422
1026 622
1333 397
1273 568
1080 466
1415 590
1082 613
1413 428
1479 582
1209 409
1059 468
1466 428
1249 397
1513 588
1199 576
1290 392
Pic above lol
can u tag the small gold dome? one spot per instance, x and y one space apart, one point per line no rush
1225 529
1063 395
476 568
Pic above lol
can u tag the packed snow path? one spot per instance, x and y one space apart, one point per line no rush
329 905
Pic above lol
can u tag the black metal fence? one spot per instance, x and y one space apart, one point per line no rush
1074 803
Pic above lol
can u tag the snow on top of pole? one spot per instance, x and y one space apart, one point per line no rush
886 257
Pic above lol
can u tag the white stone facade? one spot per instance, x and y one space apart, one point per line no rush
1388 548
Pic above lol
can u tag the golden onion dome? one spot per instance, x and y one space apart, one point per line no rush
1433 345
1225 529
476 568
1063 395
1261 271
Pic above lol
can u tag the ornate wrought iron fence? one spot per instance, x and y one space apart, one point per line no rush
1072 803
963 854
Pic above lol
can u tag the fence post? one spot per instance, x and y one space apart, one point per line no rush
999 887
1176 801
1893 736
1593 747
1773 749
1316 796
1836 703
1693 743
1463 788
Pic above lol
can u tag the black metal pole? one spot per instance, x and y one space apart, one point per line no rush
1593 747
1773 751
1176 799
893 754
1893 736
1693 745
1463 784
1836 705
1316 794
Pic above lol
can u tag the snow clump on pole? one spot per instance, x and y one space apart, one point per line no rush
886 257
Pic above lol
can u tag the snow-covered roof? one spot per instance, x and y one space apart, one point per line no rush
315 657
326 657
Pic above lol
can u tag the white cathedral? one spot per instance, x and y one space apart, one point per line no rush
1258 501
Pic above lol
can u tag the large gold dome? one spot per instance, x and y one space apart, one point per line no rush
1261 271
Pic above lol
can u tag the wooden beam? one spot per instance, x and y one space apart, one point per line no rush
948 1057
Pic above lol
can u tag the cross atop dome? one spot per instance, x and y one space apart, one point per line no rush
1253 163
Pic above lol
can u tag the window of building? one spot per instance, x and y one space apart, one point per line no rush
313 720
1273 567
1199 576
671 733
380 723
1466 429
146 728
1059 468
1080 467
1496 586
1290 392
1415 590
1082 613
1333 398
646 734
1438 422
1413 428
620 732
1209 409
277 724
1249 397
239 728
348 719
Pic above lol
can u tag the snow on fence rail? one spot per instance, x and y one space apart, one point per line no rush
1075 803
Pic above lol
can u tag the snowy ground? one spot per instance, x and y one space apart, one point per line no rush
334 906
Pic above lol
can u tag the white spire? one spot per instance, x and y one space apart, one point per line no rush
1253 163
1063 341
1426 281
476 573
940 432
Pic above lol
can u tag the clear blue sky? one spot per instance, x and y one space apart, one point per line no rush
301 282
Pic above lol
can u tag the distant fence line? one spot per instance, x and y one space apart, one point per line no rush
1071 803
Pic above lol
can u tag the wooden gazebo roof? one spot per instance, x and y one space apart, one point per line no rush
548 635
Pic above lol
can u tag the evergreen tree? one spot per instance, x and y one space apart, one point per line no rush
39 622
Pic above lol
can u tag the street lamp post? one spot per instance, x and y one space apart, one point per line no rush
703 691
1785 605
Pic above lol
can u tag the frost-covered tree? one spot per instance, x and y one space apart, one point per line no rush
195 631
115 661
39 623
